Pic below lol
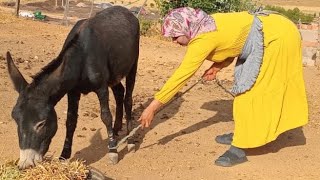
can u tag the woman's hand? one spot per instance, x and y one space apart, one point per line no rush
210 74
149 113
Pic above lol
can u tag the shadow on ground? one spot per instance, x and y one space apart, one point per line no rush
294 137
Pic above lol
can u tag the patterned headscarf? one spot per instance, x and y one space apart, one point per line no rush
187 21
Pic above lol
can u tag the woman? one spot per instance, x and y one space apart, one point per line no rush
270 93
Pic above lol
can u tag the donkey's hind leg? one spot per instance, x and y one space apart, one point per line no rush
130 82
118 92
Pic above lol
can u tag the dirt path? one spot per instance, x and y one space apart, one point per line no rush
180 144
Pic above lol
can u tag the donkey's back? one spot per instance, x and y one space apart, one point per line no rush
109 47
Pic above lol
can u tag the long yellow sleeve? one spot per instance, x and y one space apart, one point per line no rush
198 49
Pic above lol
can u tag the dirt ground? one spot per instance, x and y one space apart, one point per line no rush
309 6
180 144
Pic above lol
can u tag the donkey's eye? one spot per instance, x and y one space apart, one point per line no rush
39 125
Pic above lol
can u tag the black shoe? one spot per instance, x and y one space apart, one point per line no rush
231 158
224 139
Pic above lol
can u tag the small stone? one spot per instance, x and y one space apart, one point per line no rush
86 114
81 136
19 60
94 115
164 116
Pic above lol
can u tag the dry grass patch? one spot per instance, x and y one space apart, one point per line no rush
50 168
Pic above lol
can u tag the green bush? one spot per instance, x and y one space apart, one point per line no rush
293 14
209 6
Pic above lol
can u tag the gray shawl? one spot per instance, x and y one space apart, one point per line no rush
250 60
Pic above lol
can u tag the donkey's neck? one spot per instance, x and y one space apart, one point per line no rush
59 82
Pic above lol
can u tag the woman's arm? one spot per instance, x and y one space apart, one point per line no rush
196 53
149 113
223 64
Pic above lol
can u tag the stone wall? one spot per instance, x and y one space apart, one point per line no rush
313 26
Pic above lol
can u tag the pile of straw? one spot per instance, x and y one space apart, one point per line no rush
52 169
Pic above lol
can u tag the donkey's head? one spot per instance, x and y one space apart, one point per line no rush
35 117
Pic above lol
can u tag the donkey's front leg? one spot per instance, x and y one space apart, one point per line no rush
71 123
103 95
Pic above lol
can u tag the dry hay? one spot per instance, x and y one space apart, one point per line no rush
50 168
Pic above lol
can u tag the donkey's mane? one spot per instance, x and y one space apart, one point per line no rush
49 68
55 63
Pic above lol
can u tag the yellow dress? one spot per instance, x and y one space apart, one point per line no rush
277 101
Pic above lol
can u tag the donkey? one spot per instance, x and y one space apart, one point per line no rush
97 53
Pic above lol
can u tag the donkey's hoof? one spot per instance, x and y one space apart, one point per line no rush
66 154
114 157
131 147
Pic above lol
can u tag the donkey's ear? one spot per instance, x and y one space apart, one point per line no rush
18 80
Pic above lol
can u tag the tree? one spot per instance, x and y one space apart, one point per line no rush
17 7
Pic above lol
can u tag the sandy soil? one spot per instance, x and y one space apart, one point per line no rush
180 144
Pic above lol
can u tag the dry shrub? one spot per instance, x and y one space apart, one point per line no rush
150 28
50 168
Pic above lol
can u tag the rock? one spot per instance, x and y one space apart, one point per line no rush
19 60
2 58
81 136
27 67
164 116
86 114
93 115
308 62
309 56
